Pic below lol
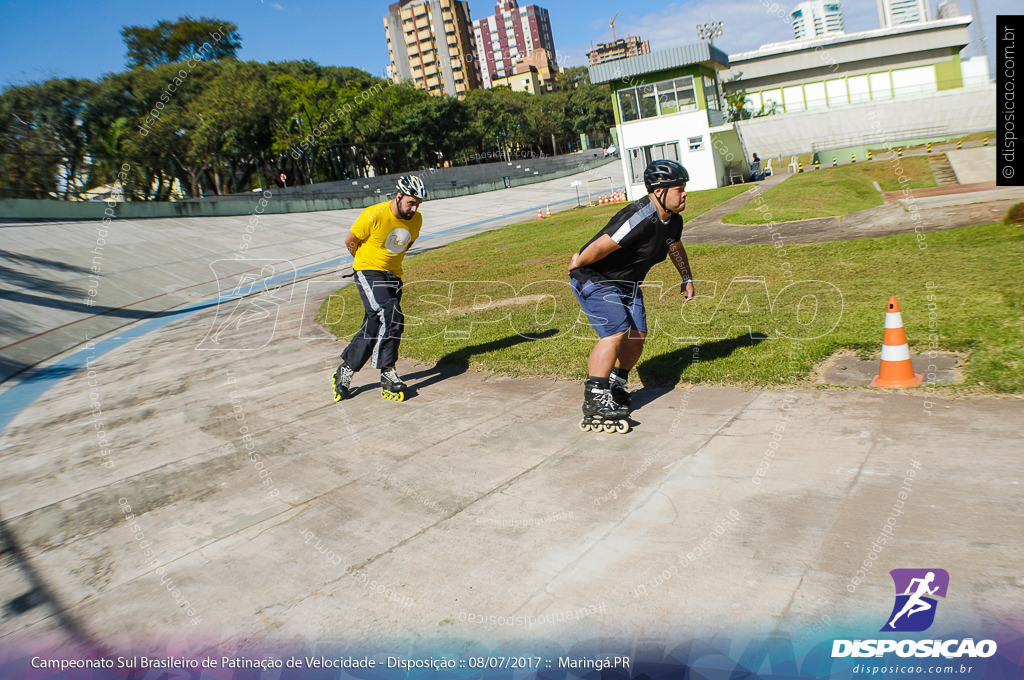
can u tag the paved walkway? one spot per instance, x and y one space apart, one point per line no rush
938 208
180 499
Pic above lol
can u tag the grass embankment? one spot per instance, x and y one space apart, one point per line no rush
525 320
836 191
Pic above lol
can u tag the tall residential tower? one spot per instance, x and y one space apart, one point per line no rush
430 43
897 12
509 36
817 17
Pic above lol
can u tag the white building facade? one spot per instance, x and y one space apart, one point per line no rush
816 17
668 105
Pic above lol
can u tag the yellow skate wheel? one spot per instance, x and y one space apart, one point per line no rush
399 396
622 427
584 425
608 426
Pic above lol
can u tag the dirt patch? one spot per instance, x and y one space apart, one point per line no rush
846 368
493 304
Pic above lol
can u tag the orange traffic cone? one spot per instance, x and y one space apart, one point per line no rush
540 215
896 370
549 210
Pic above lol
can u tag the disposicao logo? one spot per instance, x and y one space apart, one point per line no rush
913 612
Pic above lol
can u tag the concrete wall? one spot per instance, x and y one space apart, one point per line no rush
292 200
949 112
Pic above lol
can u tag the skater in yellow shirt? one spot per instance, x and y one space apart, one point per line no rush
378 240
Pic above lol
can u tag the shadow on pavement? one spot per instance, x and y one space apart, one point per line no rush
457 362
660 374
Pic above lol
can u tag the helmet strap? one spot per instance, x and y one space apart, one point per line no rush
661 200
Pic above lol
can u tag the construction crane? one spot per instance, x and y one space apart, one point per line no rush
614 38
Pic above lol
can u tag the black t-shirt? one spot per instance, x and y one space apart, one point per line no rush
644 241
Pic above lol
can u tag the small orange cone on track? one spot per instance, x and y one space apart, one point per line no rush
540 215
896 370
549 211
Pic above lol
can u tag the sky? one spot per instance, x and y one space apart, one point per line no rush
42 39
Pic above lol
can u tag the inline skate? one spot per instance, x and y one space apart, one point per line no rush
341 380
601 413
620 394
391 386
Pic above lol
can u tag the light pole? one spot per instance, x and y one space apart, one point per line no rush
710 31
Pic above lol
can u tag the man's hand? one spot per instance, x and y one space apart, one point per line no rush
687 290
573 263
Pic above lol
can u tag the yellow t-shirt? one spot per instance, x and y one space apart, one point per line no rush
385 238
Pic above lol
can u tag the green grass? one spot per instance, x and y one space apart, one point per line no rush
835 191
524 322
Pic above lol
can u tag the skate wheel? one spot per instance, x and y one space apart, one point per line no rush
608 426
584 425
399 396
622 427
337 396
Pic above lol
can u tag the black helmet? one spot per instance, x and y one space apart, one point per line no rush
664 173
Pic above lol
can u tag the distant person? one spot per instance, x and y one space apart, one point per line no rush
378 240
756 174
606 275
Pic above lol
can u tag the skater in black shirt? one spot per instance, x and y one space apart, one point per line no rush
606 275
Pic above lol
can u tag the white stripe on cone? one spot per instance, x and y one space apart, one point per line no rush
893 320
895 352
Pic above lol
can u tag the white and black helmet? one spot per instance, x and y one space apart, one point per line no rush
411 185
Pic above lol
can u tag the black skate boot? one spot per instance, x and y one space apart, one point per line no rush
600 412
341 380
620 394
391 386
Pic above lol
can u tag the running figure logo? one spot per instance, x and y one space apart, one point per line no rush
914 609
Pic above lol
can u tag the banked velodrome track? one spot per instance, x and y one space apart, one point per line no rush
163 496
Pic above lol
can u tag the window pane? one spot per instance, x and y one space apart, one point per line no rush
709 94
881 86
836 91
684 94
793 97
627 105
667 98
859 92
648 106
815 94
637 165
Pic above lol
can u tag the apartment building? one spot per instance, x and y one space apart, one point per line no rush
430 43
509 36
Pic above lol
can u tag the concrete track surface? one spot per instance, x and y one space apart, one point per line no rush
162 492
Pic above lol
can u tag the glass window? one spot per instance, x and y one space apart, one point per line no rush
881 86
815 93
641 157
858 87
836 91
637 163
628 109
685 97
696 143
709 94
648 105
769 97
793 98
667 98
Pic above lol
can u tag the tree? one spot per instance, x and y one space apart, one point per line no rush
43 138
170 42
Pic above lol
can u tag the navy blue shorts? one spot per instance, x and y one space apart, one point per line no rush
611 308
